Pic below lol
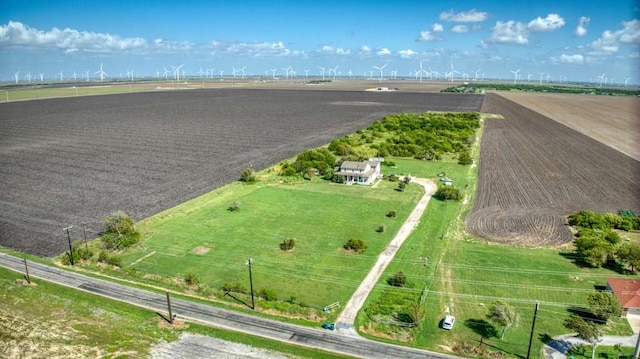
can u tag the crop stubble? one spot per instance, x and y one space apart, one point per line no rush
64 161
535 171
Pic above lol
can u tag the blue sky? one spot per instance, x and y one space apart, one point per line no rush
572 40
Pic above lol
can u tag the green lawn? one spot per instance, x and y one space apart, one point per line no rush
321 216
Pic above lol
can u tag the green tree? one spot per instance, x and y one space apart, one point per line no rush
604 305
399 279
503 315
119 231
448 193
629 254
288 244
588 331
464 158
355 244
402 186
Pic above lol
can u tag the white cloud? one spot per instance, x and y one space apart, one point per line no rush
384 51
466 16
365 48
581 29
428 36
407 54
257 49
569 59
69 40
437 27
513 32
549 23
460 29
609 41
335 50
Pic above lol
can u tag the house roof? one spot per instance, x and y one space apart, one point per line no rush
626 290
353 165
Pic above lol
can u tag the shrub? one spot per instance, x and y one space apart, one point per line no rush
448 193
120 231
402 186
234 287
398 280
234 207
464 158
381 228
191 279
392 214
388 163
111 259
287 170
392 178
355 244
248 176
268 294
288 244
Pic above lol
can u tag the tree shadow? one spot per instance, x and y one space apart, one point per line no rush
559 345
617 267
483 328
574 258
586 314
238 300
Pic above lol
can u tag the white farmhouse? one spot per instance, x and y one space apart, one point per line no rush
365 172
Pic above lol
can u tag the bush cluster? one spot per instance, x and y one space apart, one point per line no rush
355 244
119 231
448 193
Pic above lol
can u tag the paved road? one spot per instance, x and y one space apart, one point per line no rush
559 346
345 320
332 341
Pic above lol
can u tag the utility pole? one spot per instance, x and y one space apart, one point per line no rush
169 305
253 306
636 351
26 270
533 325
84 235
70 247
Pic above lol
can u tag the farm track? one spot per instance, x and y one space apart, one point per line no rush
64 161
535 171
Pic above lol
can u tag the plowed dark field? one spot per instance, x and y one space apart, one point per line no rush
65 161
534 171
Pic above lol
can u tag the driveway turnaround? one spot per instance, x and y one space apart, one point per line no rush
299 335
345 320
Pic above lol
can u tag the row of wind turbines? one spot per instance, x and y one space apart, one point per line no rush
420 74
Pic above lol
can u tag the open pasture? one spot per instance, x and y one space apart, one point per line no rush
64 161
534 171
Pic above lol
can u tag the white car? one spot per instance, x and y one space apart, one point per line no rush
447 322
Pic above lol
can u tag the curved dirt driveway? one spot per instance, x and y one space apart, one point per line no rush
345 321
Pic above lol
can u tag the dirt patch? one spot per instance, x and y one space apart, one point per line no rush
200 250
199 346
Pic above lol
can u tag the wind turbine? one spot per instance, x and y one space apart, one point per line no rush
273 73
515 75
380 69
528 77
453 72
477 72
15 76
549 77
101 73
626 81
601 77
200 72
422 70
61 78
306 73
42 77
394 73
176 71
335 71
541 73
210 71
242 70
166 72
322 69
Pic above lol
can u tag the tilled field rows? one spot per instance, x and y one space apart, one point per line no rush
65 161
534 171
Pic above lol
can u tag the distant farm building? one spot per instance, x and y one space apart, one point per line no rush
628 293
365 172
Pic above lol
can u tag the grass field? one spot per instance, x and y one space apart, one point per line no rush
205 238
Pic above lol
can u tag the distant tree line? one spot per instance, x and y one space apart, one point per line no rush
597 242
537 87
